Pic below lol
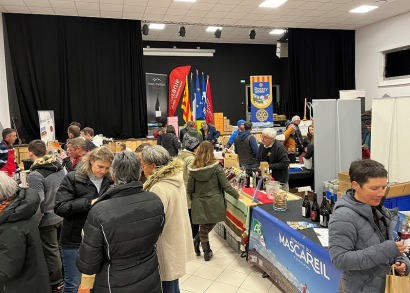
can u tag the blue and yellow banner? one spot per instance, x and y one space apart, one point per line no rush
261 100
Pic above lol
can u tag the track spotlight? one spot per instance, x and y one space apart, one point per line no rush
218 33
252 34
145 29
182 31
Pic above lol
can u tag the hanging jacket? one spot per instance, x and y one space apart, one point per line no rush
120 234
358 247
171 144
206 187
73 202
22 264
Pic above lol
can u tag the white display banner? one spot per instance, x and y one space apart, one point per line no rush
47 128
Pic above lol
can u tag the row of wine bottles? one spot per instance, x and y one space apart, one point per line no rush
320 214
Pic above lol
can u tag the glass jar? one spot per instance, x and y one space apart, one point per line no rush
280 200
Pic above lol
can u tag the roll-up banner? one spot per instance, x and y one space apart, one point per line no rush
261 100
177 79
47 127
157 99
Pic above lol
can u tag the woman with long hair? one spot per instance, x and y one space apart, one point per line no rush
206 186
79 190
170 141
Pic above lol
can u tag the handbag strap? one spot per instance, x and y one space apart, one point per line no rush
341 282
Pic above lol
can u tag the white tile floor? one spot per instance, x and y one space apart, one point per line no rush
226 272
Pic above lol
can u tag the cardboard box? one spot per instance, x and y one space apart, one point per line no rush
218 115
344 181
231 160
339 194
397 190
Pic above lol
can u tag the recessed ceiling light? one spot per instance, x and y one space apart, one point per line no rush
272 3
213 28
363 9
277 32
156 26
184 0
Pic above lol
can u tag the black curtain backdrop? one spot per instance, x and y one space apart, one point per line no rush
322 62
87 70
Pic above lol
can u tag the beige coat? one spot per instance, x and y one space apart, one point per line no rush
187 157
175 246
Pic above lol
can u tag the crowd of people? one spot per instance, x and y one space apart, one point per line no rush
135 218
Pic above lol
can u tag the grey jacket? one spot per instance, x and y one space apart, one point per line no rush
358 248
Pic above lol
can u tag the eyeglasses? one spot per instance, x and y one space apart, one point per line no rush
266 137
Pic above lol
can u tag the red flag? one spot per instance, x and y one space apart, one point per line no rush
209 106
185 106
177 79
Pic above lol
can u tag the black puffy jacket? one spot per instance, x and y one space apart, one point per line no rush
119 240
73 202
171 143
22 264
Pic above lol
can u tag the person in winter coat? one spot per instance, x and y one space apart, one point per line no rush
192 132
45 177
138 151
22 264
187 156
170 141
241 127
247 148
308 139
79 190
121 231
206 186
175 249
367 115
209 132
361 243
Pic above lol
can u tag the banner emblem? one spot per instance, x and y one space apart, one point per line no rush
261 101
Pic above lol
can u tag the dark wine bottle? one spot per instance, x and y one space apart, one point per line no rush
306 206
248 181
314 214
324 217
157 107
332 204
289 156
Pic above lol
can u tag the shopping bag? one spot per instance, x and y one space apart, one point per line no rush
231 160
396 283
87 281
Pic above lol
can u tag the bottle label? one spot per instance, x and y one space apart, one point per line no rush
157 113
313 215
321 220
303 211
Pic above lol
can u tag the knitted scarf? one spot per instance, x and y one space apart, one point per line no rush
47 159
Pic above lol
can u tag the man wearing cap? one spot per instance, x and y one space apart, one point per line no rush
191 132
241 127
187 155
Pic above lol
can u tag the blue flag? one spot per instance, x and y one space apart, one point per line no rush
203 96
198 98
192 98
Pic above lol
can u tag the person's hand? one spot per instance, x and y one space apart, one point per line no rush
401 246
400 268
63 155
293 126
93 201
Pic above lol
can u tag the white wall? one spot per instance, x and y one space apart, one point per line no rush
4 100
369 41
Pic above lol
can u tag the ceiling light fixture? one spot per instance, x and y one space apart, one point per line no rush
277 32
272 3
145 30
363 9
182 31
213 28
218 33
252 34
156 26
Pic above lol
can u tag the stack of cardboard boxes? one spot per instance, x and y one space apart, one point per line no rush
227 126
219 122
344 183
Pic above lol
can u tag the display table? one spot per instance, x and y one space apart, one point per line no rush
237 221
301 178
291 258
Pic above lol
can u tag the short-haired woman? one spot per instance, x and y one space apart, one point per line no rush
170 141
121 231
206 186
175 247
361 243
22 264
79 190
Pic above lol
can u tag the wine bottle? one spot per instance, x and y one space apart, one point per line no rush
332 204
314 214
157 107
324 217
297 157
289 156
306 206
248 181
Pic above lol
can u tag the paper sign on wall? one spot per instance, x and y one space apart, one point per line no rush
47 127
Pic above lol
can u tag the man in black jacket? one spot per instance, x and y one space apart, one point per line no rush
121 231
274 152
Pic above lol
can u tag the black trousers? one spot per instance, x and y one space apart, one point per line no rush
194 227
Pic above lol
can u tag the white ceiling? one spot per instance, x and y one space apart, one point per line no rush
237 16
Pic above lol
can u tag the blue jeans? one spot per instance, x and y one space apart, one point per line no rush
170 286
72 276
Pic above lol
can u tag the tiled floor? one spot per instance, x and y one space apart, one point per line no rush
226 272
